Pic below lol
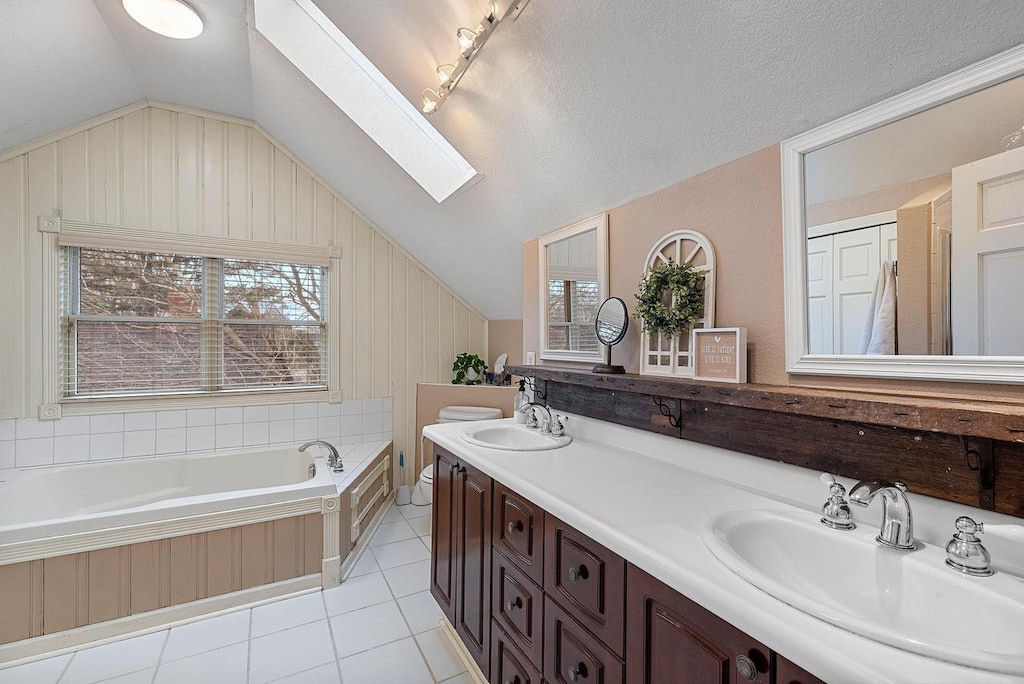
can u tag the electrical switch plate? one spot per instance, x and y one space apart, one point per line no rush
531 358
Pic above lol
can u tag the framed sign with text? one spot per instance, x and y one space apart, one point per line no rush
720 354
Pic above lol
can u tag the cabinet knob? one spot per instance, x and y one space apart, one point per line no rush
514 526
576 671
746 668
513 680
577 574
512 604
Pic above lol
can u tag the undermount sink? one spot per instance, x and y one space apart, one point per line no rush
513 438
909 600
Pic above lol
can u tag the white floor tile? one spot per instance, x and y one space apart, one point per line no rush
412 511
409 579
441 657
421 526
400 553
421 611
224 666
366 628
463 678
357 592
394 514
426 542
389 533
325 674
140 677
288 613
118 658
207 635
397 662
365 565
294 650
40 672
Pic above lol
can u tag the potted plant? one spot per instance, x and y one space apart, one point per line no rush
469 369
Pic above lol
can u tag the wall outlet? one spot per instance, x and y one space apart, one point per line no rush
531 358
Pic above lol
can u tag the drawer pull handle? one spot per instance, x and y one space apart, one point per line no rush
514 527
577 671
512 604
513 680
577 574
746 668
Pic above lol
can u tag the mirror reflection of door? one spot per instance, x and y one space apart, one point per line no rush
988 256
572 294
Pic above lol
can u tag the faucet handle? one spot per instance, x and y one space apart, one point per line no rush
835 513
558 424
1011 532
965 553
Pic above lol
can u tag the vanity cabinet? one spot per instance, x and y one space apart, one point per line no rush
536 601
460 559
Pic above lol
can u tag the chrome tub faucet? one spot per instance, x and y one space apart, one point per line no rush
333 458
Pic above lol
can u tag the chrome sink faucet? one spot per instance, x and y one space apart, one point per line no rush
333 458
533 422
897 530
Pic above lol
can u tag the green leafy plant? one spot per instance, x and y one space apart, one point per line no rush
671 298
464 364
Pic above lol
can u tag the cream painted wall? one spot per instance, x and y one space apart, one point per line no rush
739 207
171 170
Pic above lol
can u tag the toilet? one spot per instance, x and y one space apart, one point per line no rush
423 493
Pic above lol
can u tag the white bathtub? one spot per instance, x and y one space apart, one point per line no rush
97 500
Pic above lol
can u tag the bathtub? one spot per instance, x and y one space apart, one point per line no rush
91 551
39 504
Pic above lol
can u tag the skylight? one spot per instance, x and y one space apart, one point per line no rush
335 65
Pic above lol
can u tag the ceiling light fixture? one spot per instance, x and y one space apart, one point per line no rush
470 43
171 18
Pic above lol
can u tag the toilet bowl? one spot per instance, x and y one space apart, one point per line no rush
423 492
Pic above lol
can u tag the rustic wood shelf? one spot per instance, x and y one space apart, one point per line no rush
991 420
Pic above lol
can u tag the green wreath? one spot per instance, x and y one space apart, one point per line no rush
685 305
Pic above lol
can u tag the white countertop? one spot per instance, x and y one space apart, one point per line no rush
647 497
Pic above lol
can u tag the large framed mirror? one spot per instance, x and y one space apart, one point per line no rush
903 228
573 282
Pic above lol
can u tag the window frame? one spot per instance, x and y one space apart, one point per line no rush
80 234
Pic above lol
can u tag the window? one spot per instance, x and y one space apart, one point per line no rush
572 314
141 323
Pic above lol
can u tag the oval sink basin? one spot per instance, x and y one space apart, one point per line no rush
909 600
513 438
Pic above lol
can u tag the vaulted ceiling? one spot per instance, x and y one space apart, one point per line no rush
576 107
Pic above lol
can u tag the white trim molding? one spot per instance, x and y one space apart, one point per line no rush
988 369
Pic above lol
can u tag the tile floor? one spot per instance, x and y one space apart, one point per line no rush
379 626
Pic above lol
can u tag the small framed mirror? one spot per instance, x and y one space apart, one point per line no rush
573 282
612 323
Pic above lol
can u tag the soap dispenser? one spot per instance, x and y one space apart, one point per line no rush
521 402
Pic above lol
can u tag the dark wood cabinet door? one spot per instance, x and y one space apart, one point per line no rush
519 531
572 655
787 672
517 604
508 664
443 528
473 562
587 580
672 640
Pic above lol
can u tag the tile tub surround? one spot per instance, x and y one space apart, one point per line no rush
376 627
654 515
31 443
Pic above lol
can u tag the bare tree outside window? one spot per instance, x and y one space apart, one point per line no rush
143 323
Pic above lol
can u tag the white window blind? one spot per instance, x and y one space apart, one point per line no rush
144 323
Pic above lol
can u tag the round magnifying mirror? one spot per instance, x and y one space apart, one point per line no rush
612 323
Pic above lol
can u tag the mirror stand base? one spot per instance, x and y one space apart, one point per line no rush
608 369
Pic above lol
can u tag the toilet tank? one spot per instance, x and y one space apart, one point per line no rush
458 414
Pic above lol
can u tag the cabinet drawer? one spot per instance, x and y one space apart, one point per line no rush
518 605
508 664
587 580
519 531
572 655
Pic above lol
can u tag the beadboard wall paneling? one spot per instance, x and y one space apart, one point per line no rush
164 168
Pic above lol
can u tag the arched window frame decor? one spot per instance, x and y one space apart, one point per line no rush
661 354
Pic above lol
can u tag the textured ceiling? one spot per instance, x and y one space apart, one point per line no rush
575 108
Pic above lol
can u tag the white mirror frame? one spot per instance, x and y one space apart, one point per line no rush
599 224
1006 369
